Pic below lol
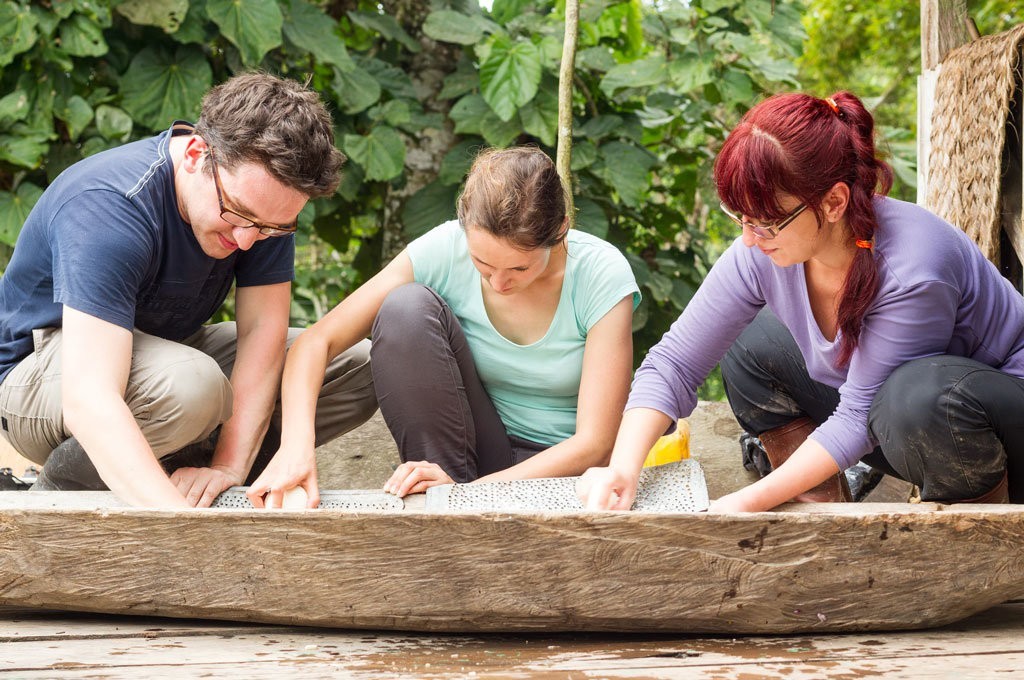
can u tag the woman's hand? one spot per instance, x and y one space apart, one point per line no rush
606 488
416 476
286 470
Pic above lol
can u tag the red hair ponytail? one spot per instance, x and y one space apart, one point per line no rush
800 145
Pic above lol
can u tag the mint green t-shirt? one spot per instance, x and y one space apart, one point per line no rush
535 388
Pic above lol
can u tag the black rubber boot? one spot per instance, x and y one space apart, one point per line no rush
197 454
69 469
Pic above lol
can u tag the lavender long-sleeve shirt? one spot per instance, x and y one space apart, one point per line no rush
938 295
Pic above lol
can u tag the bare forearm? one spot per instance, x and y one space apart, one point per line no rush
638 432
565 459
254 383
300 388
106 429
809 465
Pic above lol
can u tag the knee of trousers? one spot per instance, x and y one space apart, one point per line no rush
405 313
919 396
930 421
181 402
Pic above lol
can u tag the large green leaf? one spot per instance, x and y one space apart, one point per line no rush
599 127
787 30
540 116
165 14
380 153
14 106
584 153
355 89
691 72
310 29
626 168
473 116
432 205
195 28
23 149
395 113
113 123
510 76
712 6
351 182
393 79
591 218
468 114
453 27
595 59
456 163
76 114
464 79
14 209
17 31
736 86
159 87
504 11
647 72
498 132
80 36
386 25
253 26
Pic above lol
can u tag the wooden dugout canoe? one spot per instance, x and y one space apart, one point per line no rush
855 567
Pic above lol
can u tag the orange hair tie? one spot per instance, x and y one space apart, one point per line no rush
832 105
861 243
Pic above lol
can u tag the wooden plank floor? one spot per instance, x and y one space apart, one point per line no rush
66 645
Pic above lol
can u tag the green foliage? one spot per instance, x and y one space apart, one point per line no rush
416 89
874 50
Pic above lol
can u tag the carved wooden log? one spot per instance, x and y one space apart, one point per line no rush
814 568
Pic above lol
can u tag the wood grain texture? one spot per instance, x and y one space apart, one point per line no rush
809 571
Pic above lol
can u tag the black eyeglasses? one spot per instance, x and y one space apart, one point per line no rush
236 220
765 231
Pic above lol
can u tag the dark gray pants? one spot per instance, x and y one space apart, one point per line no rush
429 392
950 425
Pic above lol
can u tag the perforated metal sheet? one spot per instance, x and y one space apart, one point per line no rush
674 487
354 501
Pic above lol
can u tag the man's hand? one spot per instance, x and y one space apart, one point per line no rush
416 476
201 486
606 488
733 502
286 470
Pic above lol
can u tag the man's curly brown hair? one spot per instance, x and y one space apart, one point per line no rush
277 123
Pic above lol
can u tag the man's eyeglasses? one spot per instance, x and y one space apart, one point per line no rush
765 231
236 220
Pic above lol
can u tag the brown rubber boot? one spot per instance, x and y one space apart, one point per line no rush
780 444
1000 493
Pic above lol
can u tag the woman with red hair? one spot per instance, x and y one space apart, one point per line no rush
852 326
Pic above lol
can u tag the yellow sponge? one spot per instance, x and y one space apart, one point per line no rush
671 447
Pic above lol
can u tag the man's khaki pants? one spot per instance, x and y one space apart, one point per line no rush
178 391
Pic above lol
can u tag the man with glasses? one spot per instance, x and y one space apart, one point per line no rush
107 367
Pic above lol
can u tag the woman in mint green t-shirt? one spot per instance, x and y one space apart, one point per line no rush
501 342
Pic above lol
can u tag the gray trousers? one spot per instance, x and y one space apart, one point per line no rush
948 424
178 392
429 392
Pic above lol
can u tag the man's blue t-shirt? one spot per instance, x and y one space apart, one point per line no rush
106 239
